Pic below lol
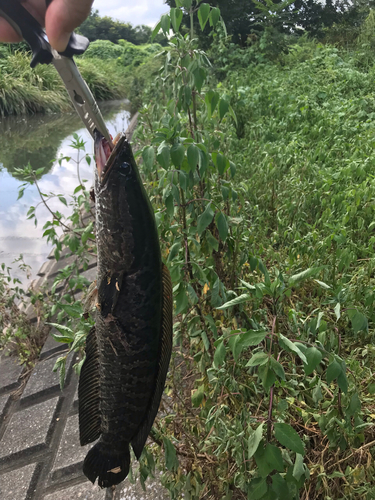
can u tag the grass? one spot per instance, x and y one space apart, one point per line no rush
40 90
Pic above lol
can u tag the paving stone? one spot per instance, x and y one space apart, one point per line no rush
70 454
3 402
10 371
90 274
43 380
15 485
154 491
85 491
29 429
51 346
46 268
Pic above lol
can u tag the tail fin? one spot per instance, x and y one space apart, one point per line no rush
109 466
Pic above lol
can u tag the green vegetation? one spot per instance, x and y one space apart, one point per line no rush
105 28
110 71
260 168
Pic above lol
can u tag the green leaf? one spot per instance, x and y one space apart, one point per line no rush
61 339
290 346
165 24
193 157
222 226
169 203
20 193
177 154
354 405
288 437
333 371
342 381
277 368
87 233
181 300
296 278
205 219
197 396
212 241
259 358
199 78
269 459
64 330
176 18
148 155
234 346
220 161
298 469
62 374
171 461
280 486
220 354
223 108
234 302
254 440
323 285
163 157
252 338
214 16
155 31
267 376
174 250
212 98
203 14
358 320
74 311
314 358
257 488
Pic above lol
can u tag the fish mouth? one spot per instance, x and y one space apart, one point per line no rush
104 154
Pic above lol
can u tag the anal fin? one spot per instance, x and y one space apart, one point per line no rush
165 351
88 393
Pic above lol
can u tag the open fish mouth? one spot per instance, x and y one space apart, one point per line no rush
104 155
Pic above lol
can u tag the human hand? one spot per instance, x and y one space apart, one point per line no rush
60 19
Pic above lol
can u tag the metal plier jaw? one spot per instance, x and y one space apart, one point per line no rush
33 33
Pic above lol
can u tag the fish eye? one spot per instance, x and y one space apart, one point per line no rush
125 168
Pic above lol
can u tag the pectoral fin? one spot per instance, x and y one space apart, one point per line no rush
88 393
165 351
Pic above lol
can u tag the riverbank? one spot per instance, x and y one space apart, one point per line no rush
25 91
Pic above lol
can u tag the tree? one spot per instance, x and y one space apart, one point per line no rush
96 27
246 17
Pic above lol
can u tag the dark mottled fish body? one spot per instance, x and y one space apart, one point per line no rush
128 352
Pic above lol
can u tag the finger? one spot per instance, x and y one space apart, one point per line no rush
62 17
7 33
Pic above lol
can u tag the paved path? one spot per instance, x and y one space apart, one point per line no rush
40 454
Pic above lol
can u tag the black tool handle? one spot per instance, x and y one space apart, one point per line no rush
35 36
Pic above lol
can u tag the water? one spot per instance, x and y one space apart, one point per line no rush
40 140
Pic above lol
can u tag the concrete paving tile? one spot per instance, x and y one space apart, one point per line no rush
154 491
15 485
10 370
85 491
3 402
70 451
51 346
29 429
42 380
90 274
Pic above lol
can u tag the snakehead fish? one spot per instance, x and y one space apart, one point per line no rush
128 350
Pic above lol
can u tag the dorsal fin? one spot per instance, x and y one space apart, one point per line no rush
165 351
88 392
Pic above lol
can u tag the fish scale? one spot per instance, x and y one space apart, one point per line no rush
128 351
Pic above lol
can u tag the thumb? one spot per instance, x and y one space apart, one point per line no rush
62 17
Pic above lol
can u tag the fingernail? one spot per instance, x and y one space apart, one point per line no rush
62 42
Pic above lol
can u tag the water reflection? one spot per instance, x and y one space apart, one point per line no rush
40 140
